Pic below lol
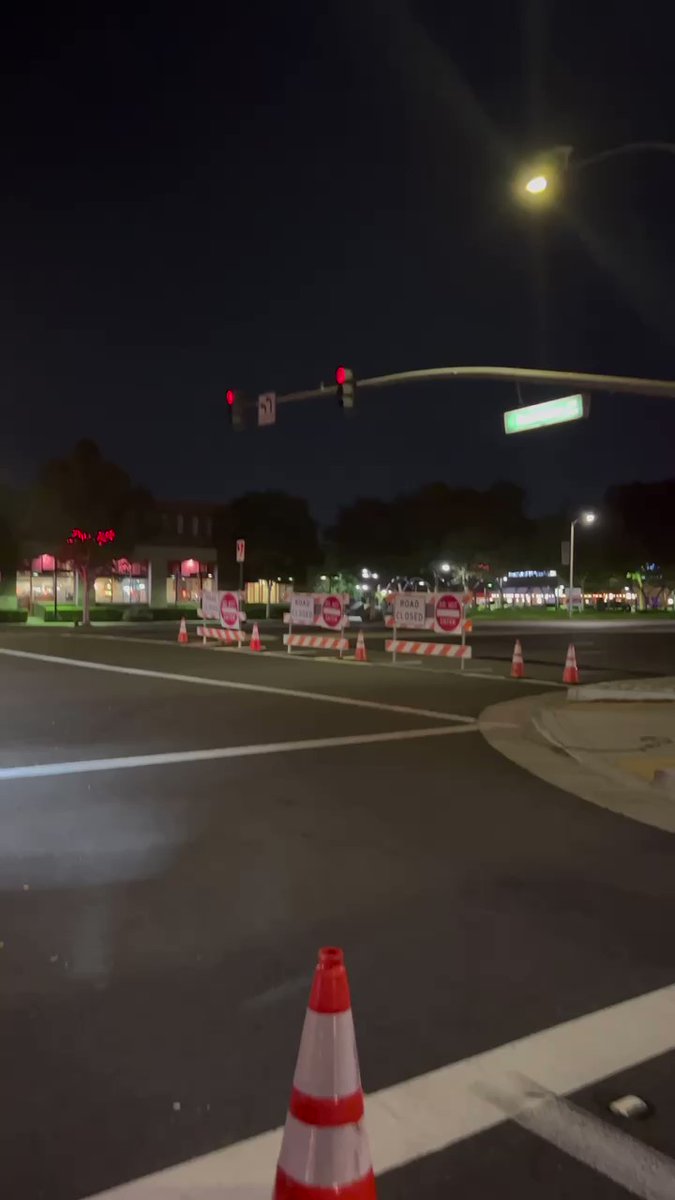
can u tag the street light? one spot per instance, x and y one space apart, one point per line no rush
538 183
445 567
544 176
585 518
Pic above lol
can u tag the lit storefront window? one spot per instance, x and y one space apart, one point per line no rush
127 584
35 582
186 579
260 591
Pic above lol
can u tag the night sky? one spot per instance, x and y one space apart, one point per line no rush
247 195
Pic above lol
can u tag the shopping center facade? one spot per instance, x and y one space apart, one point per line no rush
171 569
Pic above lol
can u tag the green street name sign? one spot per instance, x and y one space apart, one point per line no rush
551 412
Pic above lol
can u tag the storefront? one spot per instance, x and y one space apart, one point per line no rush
37 578
272 591
152 576
127 583
186 578
524 589
535 589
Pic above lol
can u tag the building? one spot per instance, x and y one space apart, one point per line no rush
168 569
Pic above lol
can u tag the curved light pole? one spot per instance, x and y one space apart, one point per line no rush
543 175
585 518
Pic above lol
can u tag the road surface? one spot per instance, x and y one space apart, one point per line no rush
182 828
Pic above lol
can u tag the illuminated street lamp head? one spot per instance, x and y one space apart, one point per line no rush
589 517
540 181
445 567
537 184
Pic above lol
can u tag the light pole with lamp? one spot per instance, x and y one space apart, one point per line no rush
444 567
541 179
586 518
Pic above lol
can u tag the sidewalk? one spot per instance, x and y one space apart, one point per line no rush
661 688
620 756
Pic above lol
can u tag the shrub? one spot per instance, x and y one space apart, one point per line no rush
70 615
256 612
138 612
174 613
13 616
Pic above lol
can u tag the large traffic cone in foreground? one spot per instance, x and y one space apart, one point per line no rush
571 672
361 652
325 1150
517 664
256 644
183 638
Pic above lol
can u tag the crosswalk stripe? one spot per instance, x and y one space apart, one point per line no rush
427 1114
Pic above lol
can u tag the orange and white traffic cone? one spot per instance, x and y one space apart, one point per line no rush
361 652
571 672
183 638
517 664
256 644
325 1149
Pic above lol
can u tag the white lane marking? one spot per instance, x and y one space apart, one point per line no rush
308 656
131 761
609 1151
265 689
431 1112
303 655
528 679
156 641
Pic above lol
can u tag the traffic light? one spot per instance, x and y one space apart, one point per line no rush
346 387
235 409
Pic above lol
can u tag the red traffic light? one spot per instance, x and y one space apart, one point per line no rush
229 397
341 376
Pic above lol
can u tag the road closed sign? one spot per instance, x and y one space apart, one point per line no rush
332 612
209 604
229 610
448 613
410 610
302 608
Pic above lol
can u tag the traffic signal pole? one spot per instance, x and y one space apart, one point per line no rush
596 383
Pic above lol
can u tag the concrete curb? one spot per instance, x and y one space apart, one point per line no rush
646 690
511 729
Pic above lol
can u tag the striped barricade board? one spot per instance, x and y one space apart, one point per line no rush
230 637
310 641
428 649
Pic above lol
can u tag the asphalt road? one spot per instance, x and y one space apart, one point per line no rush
605 649
163 893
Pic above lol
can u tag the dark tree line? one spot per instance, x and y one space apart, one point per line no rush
482 534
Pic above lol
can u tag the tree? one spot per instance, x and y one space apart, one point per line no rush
8 541
86 510
369 533
8 545
416 531
280 532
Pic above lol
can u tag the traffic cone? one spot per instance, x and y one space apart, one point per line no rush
183 638
571 672
325 1149
256 644
517 664
361 653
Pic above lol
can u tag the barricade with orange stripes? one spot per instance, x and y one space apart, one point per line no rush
427 649
315 642
231 637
